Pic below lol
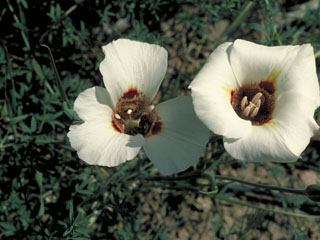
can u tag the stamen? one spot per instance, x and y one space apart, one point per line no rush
244 102
151 107
129 111
252 109
255 112
133 115
254 102
256 98
246 111
117 116
258 104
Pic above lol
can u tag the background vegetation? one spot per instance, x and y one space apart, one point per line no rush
48 193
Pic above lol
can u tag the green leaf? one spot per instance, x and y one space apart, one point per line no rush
24 3
67 232
72 117
58 11
39 180
8 226
24 127
4 110
70 206
18 118
33 125
37 68
41 209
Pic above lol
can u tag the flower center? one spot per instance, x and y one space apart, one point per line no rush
133 115
254 102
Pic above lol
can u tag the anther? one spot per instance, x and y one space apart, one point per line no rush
246 111
117 116
129 111
258 104
151 107
255 112
256 98
244 102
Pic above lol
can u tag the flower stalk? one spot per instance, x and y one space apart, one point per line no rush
265 186
312 191
58 80
236 23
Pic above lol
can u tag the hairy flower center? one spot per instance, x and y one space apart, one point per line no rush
254 102
133 115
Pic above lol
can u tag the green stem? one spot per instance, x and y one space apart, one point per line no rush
235 24
170 178
281 189
58 80
272 26
263 208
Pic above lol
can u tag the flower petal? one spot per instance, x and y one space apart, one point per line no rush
211 93
131 64
283 138
262 144
252 62
182 139
301 77
96 141
92 103
293 116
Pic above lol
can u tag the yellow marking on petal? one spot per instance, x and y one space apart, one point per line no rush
273 76
228 90
271 124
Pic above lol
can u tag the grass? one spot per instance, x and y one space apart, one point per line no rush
48 193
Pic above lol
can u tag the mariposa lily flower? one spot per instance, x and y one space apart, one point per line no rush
260 99
119 119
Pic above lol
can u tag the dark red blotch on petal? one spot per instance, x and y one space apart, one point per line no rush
114 125
131 93
232 92
157 128
268 86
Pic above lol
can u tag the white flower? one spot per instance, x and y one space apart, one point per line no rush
119 120
261 99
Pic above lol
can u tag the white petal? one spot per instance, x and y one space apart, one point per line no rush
262 144
182 140
96 141
131 64
253 62
293 117
283 138
301 77
211 93
92 103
